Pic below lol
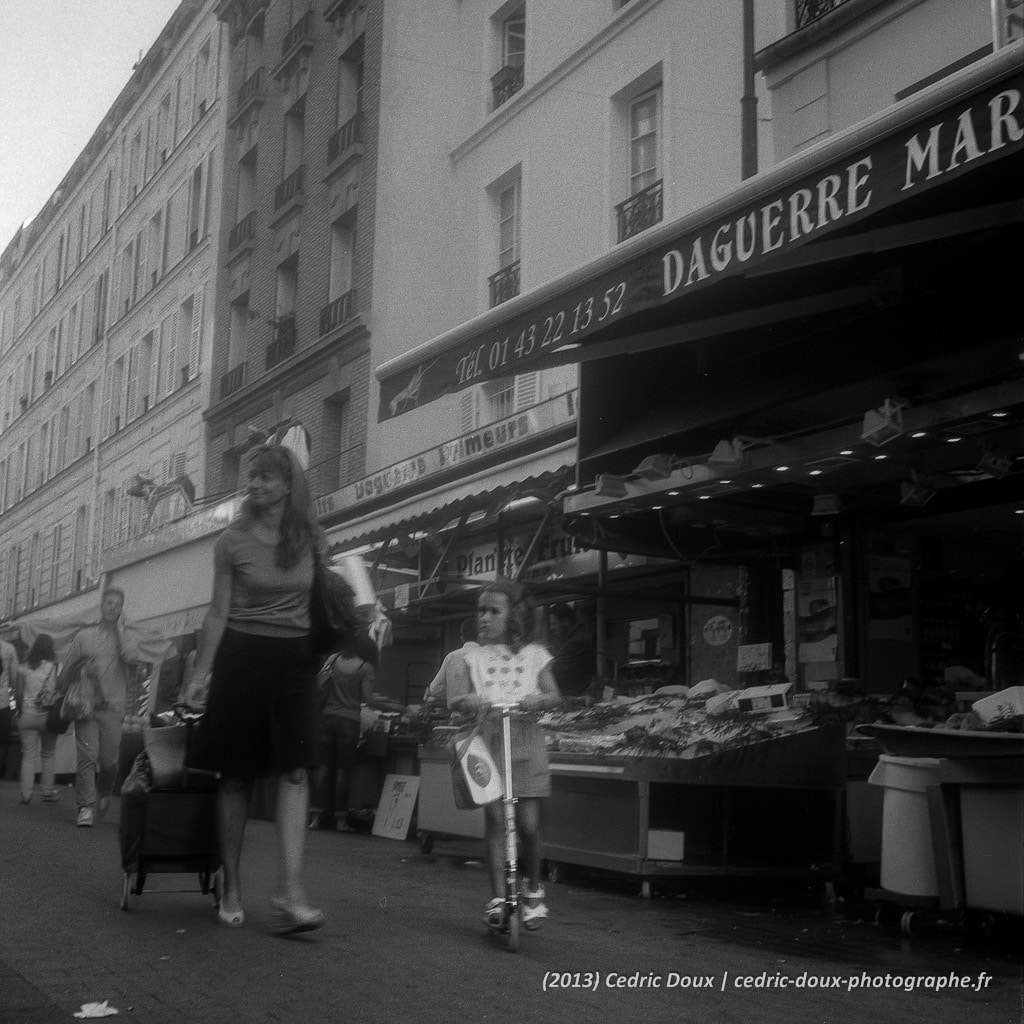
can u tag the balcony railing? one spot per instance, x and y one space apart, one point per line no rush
251 89
506 83
297 33
283 344
639 211
232 380
348 135
335 313
811 10
504 284
291 187
243 231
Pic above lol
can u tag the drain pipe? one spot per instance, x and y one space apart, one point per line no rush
748 101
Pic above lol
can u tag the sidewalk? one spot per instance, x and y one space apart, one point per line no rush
404 941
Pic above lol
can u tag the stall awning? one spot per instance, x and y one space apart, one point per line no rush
548 470
690 279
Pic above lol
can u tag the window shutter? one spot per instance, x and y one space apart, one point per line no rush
132 403
170 333
154 368
78 420
108 405
527 390
470 411
197 333
185 112
122 528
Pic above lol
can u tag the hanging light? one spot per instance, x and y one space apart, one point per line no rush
883 424
915 492
654 467
609 485
727 453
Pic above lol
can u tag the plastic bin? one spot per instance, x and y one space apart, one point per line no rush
908 854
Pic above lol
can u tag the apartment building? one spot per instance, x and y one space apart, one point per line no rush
106 323
296 250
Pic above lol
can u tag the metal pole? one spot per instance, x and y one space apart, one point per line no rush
748 102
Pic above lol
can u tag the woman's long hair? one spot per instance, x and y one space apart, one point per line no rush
520 610
41 650
299 530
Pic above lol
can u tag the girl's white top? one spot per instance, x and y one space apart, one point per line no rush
503 676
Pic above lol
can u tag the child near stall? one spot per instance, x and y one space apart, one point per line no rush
506 667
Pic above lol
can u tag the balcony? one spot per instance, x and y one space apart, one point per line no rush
291 189
335 313
232 381
244 231
506 83
504 284
283 344
639 211
299 34
250 95
348 135
811 10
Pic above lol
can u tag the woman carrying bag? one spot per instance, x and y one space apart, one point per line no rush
35 689
261 714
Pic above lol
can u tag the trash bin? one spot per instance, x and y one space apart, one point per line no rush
908 854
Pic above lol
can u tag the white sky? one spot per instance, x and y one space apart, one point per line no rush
62 64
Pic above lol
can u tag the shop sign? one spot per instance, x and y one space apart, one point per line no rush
1007 22
717 631
174 534
948 143
460 451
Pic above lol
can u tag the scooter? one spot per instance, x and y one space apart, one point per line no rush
512 911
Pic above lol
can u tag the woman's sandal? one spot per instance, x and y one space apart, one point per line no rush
292 920
231 918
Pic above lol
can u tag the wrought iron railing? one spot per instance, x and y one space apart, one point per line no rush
506 83
504 284
251 88
283 344
292 186
232 380
639 211
297 33
350 133
811 10
335 313
244 230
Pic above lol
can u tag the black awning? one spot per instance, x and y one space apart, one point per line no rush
766 254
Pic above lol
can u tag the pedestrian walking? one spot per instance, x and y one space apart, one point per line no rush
348 685
505 668
261 711
34 691
108 654
8 666
574 659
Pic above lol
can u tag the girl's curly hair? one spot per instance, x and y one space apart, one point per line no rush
520 610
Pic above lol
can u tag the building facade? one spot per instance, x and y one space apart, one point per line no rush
106 321
294 309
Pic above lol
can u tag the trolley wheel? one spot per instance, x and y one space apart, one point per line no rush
910 923
513 925
426 842
126 888
886 915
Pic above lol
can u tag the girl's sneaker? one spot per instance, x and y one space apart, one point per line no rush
494 913
534 910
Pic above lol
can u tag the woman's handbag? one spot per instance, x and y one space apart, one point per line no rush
332 620
475 778
60 714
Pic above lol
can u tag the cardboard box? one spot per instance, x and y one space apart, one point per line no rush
665 845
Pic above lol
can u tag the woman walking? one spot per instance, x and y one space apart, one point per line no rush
506 668
261 715
35 688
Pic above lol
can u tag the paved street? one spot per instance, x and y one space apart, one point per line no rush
404 942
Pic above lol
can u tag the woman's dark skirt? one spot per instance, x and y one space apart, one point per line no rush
262 711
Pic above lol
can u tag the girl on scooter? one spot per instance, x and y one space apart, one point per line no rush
505 668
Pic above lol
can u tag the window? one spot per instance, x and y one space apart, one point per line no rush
164 131
506 196
641 112
135 169
509 78
155 248
55 563
340 306
238 333
109 500
340 459
100 305
196 208
294 135
78 553
644 118
203 92
176 465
